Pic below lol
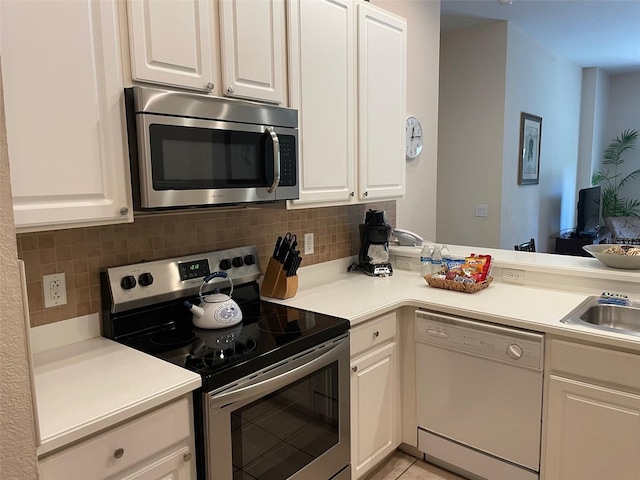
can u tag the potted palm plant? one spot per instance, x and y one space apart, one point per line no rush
613 205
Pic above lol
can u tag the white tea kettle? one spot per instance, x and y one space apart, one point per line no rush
216 310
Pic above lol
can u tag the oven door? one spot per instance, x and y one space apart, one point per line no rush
290 422
186 162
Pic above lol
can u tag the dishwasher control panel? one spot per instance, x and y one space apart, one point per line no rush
499 343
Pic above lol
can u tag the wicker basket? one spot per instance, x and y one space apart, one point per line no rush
457 286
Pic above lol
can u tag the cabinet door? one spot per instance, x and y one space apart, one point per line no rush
322 88
374 408
64 108
172 42
252 41
382 65
176 465
592 432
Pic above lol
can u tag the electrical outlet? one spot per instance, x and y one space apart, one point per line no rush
510 275
55 290
403 263
308 243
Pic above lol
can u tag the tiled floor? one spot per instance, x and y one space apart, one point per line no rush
405 467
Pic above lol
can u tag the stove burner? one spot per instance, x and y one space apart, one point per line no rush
221 350
279 319
173 338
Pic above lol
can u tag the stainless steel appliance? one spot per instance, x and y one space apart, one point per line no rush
375 232
190 150
479 397
274 402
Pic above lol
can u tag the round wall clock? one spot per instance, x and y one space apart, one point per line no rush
414 137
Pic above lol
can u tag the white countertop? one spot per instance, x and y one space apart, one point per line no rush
86 386
537 262
328 288
90 383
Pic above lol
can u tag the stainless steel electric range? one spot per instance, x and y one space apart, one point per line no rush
274 402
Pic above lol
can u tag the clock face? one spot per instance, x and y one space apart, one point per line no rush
414 137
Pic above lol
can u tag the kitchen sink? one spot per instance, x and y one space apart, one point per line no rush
612 318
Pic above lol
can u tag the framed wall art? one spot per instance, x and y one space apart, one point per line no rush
529 163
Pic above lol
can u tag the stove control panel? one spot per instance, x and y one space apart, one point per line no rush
148 283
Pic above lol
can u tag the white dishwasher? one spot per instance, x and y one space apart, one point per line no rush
479 397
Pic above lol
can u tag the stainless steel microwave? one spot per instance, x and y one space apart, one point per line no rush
194 150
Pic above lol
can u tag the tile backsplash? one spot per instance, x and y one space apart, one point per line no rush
81 252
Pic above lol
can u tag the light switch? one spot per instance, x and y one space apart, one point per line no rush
482 210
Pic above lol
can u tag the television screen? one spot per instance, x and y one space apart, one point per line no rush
588 211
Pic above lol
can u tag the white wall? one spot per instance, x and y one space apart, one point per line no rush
488 76
595 92
470 136
542 83
417 211
623 112
17 437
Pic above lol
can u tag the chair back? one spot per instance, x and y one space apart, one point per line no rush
529 246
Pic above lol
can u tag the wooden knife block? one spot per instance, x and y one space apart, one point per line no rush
276 284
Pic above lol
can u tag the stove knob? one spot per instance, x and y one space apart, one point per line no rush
237 262
249 260
225 264
128 282
145 279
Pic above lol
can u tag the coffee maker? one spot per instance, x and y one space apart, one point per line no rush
374 244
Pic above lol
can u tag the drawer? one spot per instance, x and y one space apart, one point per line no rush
600 364
110 452
373 333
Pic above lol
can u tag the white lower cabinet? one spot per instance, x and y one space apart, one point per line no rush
593 432
155 446
375 398
593 420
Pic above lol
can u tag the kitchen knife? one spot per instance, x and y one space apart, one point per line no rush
288 264
275 250
284 248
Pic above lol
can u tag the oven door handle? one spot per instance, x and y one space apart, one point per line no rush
276 159
280 376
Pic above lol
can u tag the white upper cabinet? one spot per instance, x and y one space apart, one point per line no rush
322 88
349 87
228 47
382 79
252 37
63 93
171 42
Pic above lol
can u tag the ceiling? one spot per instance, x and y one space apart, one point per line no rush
591 33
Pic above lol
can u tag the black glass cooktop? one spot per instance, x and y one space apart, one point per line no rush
268 333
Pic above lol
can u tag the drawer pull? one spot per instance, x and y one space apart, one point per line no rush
376 334
119 452
354 368
187 456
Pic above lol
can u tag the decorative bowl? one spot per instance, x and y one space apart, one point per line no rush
614 260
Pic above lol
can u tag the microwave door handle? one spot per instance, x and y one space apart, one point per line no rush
276 159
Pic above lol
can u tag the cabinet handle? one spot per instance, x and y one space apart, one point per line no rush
354 368
210 86
366 194
352 194
124 211
187 456
376 334
118 453
230 90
